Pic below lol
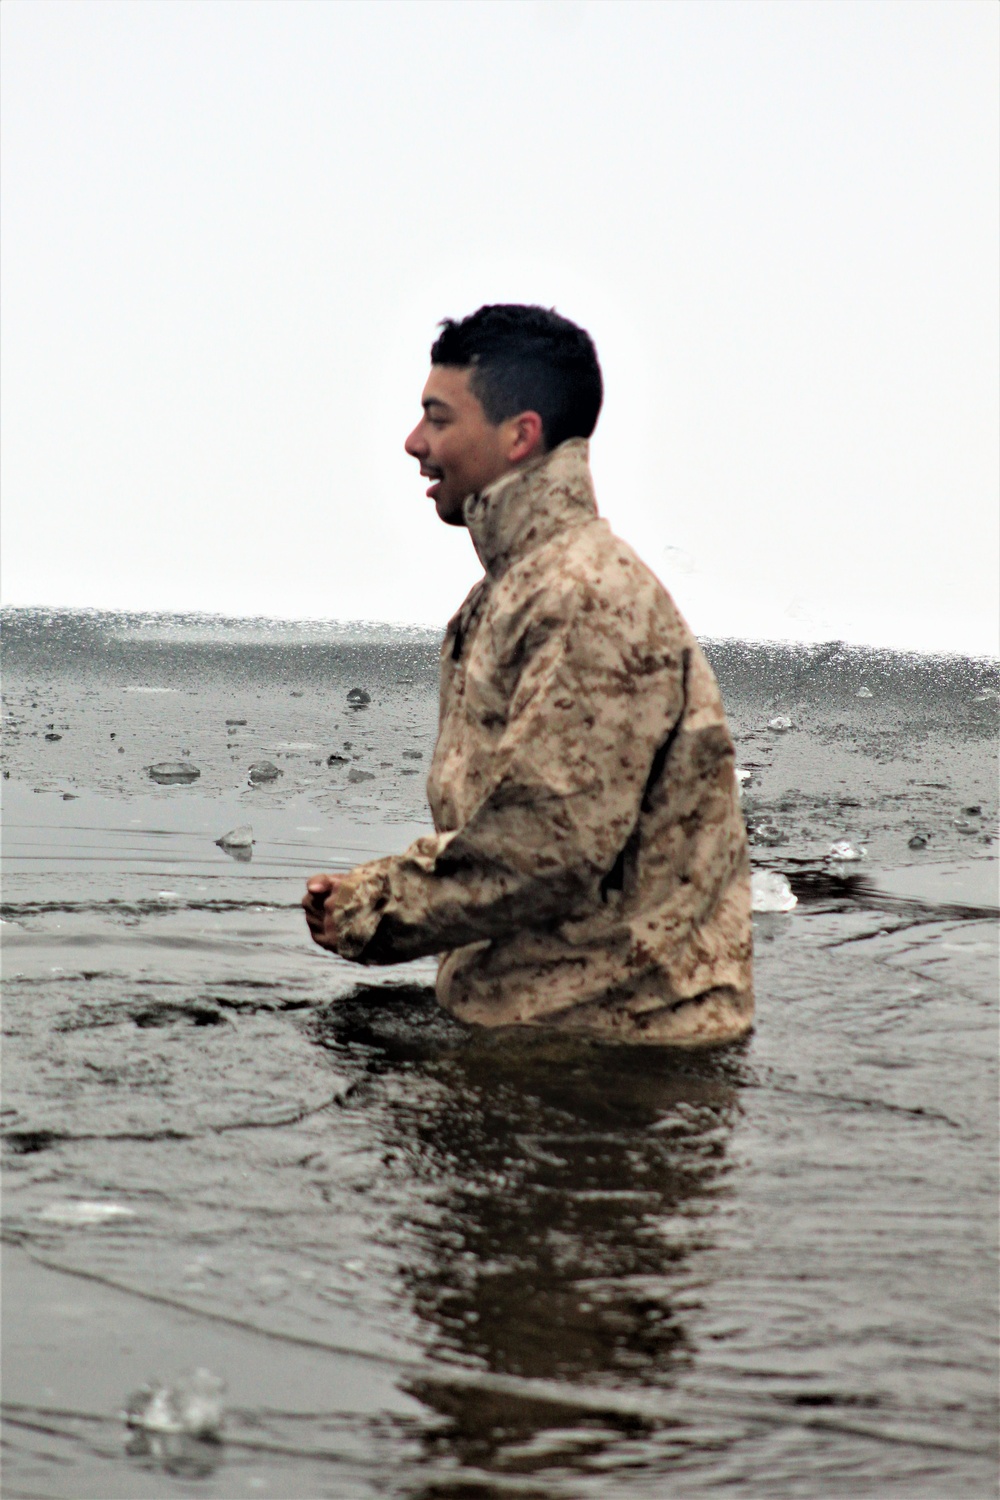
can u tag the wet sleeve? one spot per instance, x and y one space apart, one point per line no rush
597 696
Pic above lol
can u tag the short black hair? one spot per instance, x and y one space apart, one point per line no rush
527 359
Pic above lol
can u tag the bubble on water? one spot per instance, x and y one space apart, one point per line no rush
779 724
770 891
191 1405
845 851
173 772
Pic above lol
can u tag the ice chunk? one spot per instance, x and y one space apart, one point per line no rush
238 843
770 891
918 841
768 833
83 1212
53 736
237 838
192 1405
356 775
261 771
358 698
173 772
337 760
413 755
234 722
845 851
864 692
780 723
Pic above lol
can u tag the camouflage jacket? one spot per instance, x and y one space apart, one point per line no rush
590 868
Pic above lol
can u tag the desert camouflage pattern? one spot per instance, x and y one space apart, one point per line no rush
589 869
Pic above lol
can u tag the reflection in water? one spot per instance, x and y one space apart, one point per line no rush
176 1453
569 1187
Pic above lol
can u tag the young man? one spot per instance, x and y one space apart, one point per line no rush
589 869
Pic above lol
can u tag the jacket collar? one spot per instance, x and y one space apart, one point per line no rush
524 509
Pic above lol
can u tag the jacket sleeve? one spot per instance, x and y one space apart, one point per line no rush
599 690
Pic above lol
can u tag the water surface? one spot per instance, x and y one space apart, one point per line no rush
430 1262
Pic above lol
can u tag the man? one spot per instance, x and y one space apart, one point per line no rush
589 869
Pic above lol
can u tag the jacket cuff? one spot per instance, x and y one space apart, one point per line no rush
374 891
358 906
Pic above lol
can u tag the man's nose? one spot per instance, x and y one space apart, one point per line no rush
416 444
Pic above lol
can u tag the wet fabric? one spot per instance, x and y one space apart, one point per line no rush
590 868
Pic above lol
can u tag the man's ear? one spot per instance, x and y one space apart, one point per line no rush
527 437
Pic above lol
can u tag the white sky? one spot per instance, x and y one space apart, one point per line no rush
230 227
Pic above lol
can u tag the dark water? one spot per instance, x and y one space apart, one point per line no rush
432 1263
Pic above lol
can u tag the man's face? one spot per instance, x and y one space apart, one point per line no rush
455 444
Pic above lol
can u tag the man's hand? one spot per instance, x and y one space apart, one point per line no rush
319 889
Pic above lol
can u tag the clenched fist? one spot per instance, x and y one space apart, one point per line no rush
319 890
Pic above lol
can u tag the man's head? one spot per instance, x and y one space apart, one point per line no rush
507 384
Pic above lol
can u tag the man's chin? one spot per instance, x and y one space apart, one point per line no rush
450 510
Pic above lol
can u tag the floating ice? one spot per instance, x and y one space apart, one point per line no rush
845 851
770 891
53 736
192 1405
413 755
864 692
358 698
918 841
231 723
82 1212
337 760
173 772
779 724
356 775
237 838
261 771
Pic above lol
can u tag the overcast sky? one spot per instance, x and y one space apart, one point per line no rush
230 227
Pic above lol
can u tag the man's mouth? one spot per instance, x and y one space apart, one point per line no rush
432 473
